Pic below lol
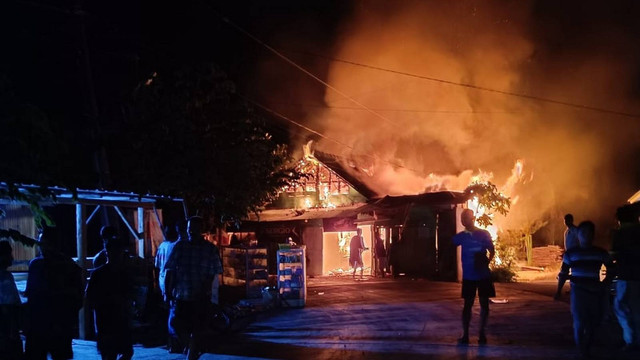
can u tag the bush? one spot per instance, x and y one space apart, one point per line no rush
503 273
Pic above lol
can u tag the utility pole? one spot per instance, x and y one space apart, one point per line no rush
101 164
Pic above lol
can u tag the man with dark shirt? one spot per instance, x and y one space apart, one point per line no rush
570 233
190 270
110 294
106 233
475 245
54 292
584 263
356 247
626 252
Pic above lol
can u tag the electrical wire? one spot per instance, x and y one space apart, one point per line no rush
299 67
284 117
475 87
392 110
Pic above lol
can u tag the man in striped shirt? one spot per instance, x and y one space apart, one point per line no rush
582 266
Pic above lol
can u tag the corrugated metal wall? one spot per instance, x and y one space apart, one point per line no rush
20 218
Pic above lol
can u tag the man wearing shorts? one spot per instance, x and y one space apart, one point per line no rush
356 247
476 276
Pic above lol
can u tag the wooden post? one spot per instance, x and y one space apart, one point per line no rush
141 232
81 249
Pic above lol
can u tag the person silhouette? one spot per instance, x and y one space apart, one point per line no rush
356 247
110 294
584 264
570 233
476 276
625 250
10 342
191 269
54 292
106 233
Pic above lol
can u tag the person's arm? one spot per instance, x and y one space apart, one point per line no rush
563 275
169 276
611 269
490 247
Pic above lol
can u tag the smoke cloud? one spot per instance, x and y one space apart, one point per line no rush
428 135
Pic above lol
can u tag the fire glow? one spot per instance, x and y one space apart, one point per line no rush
507 190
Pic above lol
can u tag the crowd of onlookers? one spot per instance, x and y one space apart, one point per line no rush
188 268
581 265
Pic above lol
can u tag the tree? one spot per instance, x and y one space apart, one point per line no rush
490 201
188 134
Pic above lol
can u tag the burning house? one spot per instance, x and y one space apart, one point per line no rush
324 211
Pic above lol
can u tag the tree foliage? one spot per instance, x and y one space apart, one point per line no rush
31 146
189 135
490 200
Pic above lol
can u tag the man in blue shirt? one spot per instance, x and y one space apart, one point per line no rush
475 245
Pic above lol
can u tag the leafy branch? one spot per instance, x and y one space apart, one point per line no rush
490 199
32 197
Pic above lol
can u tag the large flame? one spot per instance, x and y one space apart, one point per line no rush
506 190
433 135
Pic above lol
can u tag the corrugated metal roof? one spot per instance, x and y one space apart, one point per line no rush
90 197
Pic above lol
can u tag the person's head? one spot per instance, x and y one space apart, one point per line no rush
468 219
359 231
48 240
194 227
108 232
568 220
586 232
170 233
181 228
116 249
626 215
6 256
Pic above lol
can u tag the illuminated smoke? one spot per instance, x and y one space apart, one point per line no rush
442 135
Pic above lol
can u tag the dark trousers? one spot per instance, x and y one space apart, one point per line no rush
586 308
38 345
189 320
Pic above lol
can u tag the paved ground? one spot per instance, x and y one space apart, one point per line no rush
401 319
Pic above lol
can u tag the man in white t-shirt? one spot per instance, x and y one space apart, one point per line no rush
570 234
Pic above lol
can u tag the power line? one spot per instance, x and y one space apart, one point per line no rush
471 86
273 112
299 67
393 110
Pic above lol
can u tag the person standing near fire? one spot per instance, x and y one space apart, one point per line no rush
356 247
625 250
570 234
190 270
381 255
584 264
475 244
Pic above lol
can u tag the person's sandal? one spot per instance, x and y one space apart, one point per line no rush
463 340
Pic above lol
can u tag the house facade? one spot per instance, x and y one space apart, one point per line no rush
325 210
